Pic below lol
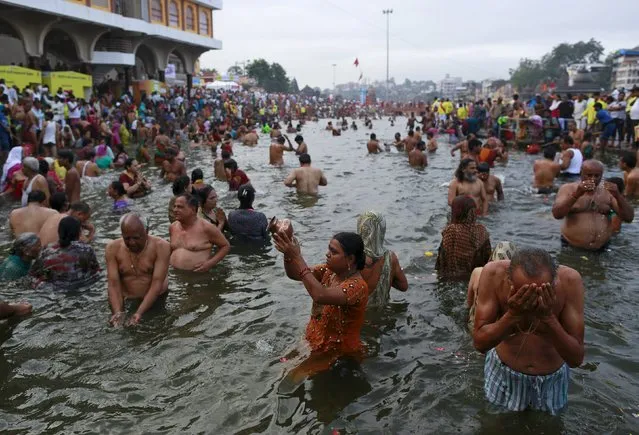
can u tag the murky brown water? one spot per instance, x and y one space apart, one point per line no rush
210 362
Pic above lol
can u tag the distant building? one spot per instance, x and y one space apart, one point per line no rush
625 68
448 87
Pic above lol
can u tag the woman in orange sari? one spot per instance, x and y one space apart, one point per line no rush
339 294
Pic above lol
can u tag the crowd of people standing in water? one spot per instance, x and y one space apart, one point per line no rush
526 312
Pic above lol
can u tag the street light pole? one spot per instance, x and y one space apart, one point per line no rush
334 65
387 12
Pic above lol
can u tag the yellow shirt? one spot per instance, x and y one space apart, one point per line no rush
448 107
462 113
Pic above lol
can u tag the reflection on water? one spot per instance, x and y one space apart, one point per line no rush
209 360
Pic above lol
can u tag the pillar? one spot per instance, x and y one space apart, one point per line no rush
161 75
189 85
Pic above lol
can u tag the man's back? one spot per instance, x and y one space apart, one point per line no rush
307 179
545 171
417 158
29 219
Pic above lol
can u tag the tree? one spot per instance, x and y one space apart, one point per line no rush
552 66
235 71
270 77
294 88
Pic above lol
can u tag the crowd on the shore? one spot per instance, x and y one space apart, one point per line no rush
518 298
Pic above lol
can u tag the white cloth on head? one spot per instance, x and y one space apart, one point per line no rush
14 158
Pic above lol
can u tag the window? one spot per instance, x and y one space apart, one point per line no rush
174 14
157 13
101 4
190 18
204 23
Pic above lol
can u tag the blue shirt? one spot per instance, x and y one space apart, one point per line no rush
603 116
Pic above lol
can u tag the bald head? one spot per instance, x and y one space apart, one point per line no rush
134 231
593 165
592 170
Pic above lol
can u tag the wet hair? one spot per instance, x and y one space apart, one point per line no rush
483 167
598 105
549 153
373 136
197 174
68 231
352 244
411 132
299 138
474 143
226 154
58 201
43 167
246 195
629 158
230 164
180 184
66 155
421 145
281 140
459 173
533 262
81 207
23 242
191 200
305 159
171 152
118 187
36 196
128 162
619 182
429 134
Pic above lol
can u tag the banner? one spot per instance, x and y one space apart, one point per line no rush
169 71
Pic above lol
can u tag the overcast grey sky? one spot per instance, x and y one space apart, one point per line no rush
473 39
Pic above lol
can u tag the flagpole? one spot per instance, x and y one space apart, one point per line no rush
387 12
334 65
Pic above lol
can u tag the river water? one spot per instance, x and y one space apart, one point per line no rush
211 361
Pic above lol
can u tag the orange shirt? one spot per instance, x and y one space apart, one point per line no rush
335 328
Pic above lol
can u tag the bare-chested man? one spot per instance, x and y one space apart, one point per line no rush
492 184
432 142
276 151
137 268
88 168
576 134
193 238
31 218
463 146
302 148
72 184
466 182
218 165
81 211
586 207
545 171
250 138
34 180
172 167
410 141
305 178
628 164
529 320
373 145
416 157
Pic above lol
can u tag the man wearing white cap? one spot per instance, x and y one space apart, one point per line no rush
34 181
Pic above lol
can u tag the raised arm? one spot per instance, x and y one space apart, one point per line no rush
398 278
565 330
567 196
620 204
300 271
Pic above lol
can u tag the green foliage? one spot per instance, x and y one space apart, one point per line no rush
294 88
270 77
552 66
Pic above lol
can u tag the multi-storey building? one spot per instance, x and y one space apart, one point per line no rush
448 87
137 39
625 69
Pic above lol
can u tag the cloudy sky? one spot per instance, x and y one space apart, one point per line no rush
428 39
